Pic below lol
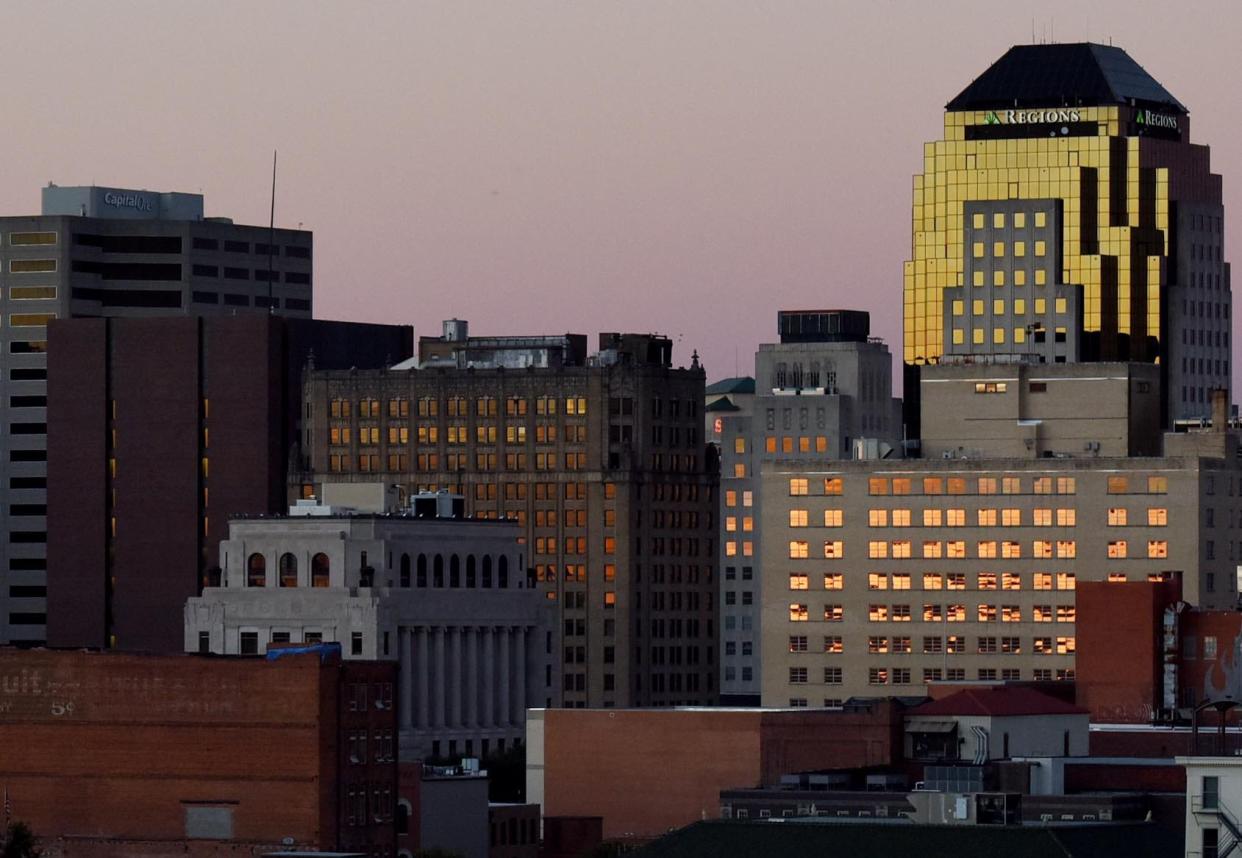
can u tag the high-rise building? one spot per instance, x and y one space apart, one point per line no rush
823 393
108 252
160 430
1066 215
600 458
964 566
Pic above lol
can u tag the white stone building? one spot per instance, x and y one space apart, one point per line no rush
448 598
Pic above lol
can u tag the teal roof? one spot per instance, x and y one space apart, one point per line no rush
815 839
741 384
721 404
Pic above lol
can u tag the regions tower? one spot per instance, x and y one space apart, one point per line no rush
1066 216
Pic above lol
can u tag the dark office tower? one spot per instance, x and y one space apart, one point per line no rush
159 430
108 252
601 458
1066 216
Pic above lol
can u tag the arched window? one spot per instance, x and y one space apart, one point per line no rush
288 570
421 579
502 572
256 571
454 571
487 571
472 580
437 571
405 570
320 570
403 818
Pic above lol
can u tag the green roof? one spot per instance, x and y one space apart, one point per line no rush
721 404
741 384
816 839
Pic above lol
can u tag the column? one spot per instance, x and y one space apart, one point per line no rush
519 676
503 713
488 691
472 676
424 677
455 672
407 677
439 689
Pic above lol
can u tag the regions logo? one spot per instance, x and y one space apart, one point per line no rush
1155 120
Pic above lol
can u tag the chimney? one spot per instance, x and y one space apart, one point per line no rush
1220 409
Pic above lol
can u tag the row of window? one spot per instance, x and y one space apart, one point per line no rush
799 612
458 406
943 581
986 517
899 549
902 676
936 645
458 434
400 462
1010 485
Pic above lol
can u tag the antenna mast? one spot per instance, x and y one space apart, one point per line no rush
271 239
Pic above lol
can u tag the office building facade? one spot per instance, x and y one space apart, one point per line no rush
601 460
880 577
160 430
109 252
447 599
823 393
1067 215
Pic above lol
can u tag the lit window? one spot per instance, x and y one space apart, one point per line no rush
833 486
798 613
998 220
987 580
833 613
998 307
877 518
1067 548
1117 577
877 549
959 308
832 518
799 549
834 550
932 581
1157 548
976 249
901 581
1117 517
998 249
799 486
834 581
1019 248
877 581
799 582
932 517
1041 278
1041 219
977 278
1157 517
1157 485
998 278
877 613
1041 517
1043 580
1041 248
797 518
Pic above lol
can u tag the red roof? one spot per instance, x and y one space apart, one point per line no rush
1000 701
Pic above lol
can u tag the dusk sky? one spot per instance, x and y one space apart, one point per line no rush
541 167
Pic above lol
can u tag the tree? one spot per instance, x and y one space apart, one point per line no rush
19 842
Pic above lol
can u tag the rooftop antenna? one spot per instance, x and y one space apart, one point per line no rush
271 238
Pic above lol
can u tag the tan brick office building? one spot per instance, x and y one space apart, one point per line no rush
881 576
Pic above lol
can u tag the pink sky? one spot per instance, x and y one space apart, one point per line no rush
540 167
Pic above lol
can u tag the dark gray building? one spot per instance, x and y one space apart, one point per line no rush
108 252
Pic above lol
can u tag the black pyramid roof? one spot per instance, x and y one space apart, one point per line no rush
1071 75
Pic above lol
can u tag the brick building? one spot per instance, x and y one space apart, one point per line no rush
110 752
601 460
645 772
158 431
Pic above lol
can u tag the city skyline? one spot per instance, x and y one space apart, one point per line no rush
552 152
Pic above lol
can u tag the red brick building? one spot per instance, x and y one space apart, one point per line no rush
647 771
159 430
1144 656
108 753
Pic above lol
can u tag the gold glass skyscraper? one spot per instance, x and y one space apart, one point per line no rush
1067 216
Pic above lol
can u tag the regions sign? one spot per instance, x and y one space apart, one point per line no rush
1031 117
